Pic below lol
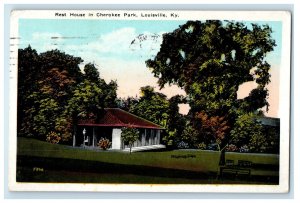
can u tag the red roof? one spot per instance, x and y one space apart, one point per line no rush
115 117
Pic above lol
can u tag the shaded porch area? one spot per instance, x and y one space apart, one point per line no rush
89 136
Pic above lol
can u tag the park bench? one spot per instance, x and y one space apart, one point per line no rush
242 168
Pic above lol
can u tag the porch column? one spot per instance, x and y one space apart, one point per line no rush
144 138
74 136
146 141
116 138
94 134
74 139
151 137
158 136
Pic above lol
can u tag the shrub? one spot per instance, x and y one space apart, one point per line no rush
104 143
53 137
231 148
183 145
202 146
244 148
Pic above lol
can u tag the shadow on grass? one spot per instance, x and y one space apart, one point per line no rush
32 169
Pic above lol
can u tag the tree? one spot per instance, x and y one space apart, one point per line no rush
129 135
54 94
156 107
152 105
214 129
211 59
127 103
62 61
91 73
28 71
109 90
88 99
45 83
176 122
250 132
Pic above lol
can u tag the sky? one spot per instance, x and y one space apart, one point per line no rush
119 52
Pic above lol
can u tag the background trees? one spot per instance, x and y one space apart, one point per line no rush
45 83
54 93
156 107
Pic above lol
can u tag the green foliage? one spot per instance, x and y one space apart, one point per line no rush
210 60
191 135
202 146
91 73
64 126
156 107
53 93
45 83
152 105
87 98
127 103
129 136
248 130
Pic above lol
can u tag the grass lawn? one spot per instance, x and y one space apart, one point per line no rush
39 161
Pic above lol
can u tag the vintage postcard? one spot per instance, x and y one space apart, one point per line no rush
149 101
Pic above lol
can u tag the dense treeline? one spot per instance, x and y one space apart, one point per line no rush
53 93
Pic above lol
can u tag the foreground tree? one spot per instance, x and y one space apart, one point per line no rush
129 135
210 60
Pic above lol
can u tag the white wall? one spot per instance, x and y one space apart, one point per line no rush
116 138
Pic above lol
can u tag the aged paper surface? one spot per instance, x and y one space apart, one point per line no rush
117 44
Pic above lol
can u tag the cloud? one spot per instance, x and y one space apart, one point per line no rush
116 42
124 43
44 41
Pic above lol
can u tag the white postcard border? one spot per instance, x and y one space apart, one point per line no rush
284 108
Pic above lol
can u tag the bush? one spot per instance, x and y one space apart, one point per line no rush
231 148
244 148
104 143
202 146
183 145
53 137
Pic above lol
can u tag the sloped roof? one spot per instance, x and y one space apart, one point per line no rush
115 117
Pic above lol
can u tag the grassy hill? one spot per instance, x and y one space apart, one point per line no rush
40 161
